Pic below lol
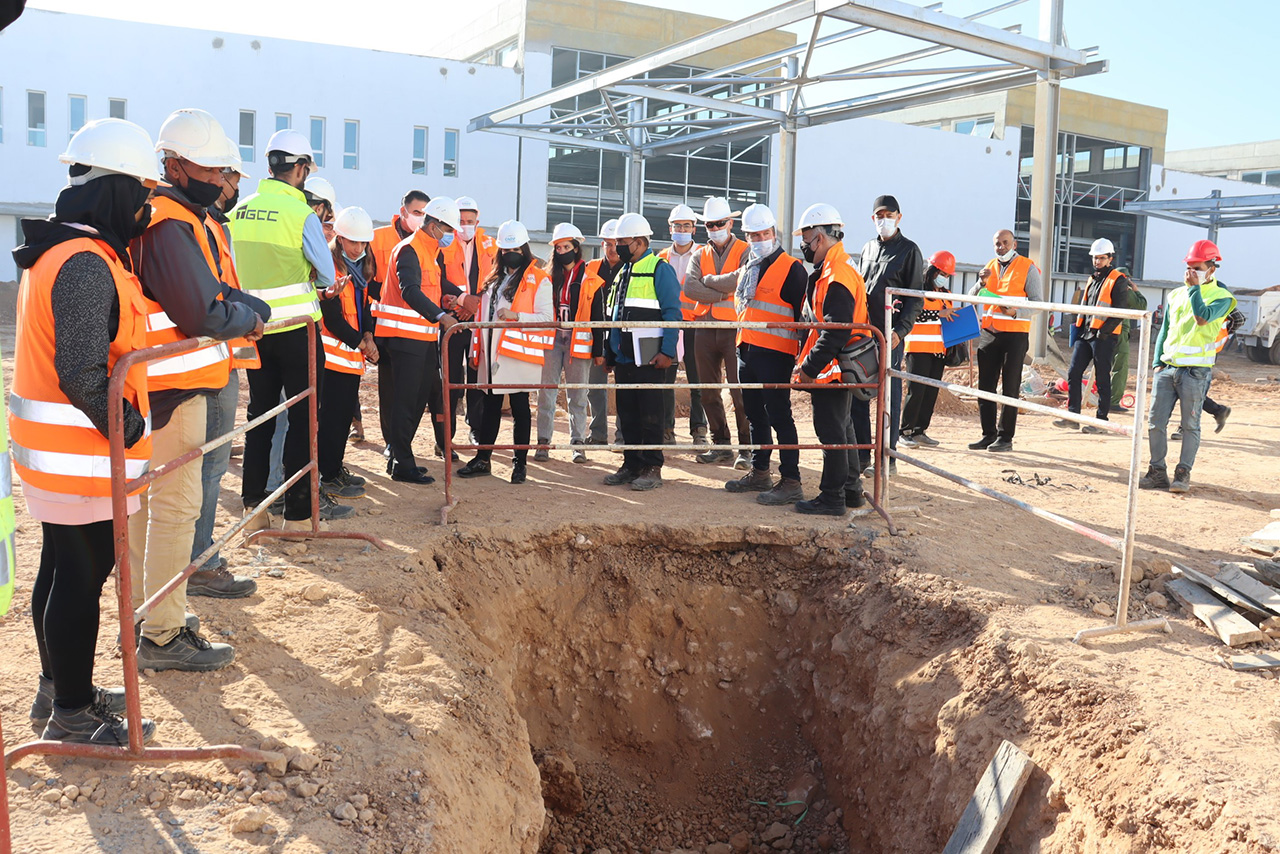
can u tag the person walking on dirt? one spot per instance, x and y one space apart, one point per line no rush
926 354
1096 337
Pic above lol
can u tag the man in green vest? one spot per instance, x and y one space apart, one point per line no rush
283 258
1185 352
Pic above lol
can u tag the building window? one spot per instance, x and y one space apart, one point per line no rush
1083 161
284 121
976 127
248 124
1271 178
419 151
77 113
116 108
450 154
1126 157
351 144
35 119
317 140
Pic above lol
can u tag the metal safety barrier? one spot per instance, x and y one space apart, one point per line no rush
120 489
447 385
1122 544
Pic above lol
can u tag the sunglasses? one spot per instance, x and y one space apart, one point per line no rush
720 223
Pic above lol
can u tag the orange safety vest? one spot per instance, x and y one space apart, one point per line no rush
527 345
580 347
926 335
691 309
385 240
244 354
1104 298
768 306
838 271
338 356
724 309
486 257
207 367
395 318
54 444
1012 284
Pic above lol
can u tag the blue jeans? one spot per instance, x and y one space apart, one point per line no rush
1187 386
275 475
861 412
220 417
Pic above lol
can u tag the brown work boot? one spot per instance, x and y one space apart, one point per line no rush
650 477
219 583
788 491
756 480
1154 479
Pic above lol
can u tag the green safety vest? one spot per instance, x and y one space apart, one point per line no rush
6 510
1187 343
267 231
641 301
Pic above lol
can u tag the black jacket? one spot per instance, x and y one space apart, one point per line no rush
892 263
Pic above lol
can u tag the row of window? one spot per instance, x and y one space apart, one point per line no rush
1271 178
77 115
1113 160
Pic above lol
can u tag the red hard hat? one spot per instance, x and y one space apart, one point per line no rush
1203 250
944 261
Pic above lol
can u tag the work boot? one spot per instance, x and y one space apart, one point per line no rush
1000 445
743 462
1066 424
701 438
650 477
669 438
260 522
854 498
982 444
787 491
93 724
188 651
475 468
520 473
870 471
192 622
335 488
1154 479
542 455
42 706
926 440
715 455
756 480
330 509
621 476
1221 418
347 478
302 525
823 505
416 475
219 583
1181 480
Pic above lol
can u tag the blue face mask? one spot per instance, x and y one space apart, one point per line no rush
681 239
446 240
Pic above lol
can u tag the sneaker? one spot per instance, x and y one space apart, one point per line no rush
475 468
701 438
580 457
621 476
1000 445
416 475
541 456
821 506
1181 480
357 433
743 462
908 441
1154 479
1092 429
787 491
926 440
188 651
854 498
755 480
648 478
870 471
982 444
1221 418
347 478
336 489
219 583
1066 424
1176 435
93 724
331 510
42 706
520 473
715 456
669 438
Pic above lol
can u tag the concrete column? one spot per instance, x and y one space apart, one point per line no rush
1044 179
786 200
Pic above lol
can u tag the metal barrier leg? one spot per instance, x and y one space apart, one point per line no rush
6 842
446 389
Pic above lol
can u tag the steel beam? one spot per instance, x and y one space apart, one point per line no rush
1209 204
690 100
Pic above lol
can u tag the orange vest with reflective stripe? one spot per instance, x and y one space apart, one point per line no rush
1012 284
768 306
581 345
207 367
1104 298
527 345
926 335
724 309
486 258
384 241
54 445
244 354
395 318
839 272
691 309
338 356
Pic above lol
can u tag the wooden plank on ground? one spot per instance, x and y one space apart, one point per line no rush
992 804
1258 592
1222 590
1230 627
1261 661
1267 571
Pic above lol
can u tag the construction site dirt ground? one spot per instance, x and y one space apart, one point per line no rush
684 666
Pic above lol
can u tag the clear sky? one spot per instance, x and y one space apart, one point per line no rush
1208 64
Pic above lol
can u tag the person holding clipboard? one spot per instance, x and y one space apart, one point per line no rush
927 353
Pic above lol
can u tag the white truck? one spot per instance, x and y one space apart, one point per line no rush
1260 333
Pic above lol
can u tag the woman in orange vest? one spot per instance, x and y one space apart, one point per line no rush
926 354
518 291
80 309
347 336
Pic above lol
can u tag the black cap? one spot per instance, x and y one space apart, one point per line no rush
886 202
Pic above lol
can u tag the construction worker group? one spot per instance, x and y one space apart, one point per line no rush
154 243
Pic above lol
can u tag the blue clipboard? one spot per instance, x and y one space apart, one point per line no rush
961 328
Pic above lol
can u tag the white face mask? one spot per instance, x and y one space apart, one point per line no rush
355 259
763 249
1198 277
681 239
886 227
467 233
718 235
414 221
1008 256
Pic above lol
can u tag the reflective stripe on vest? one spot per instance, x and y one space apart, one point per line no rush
641 302
1013 283
486 249
527 345
837 271
926 335
1187 343
724 309
395 318
690 309
338 356
267 230
1104 299
768 306
582 338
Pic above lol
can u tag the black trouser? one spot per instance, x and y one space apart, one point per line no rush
769 410
341 404
460 370
1000 363
1099 351
490 419
861 411
75 561
917 410
639 414
408 383
1212 407
697 416
284 367
841 470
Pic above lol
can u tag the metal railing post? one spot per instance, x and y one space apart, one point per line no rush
6 842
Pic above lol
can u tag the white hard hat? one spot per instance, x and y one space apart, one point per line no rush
234 150
512 235
114 145
633 225
445 210
197 136
466 203
682 213
322 189
292 143
1102 246
609 230
717 208
354 223
819 214
567 231
758 218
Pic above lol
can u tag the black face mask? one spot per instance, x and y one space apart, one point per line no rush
202 193
807 250
624 252
141 225
512 259
564 259
231 203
